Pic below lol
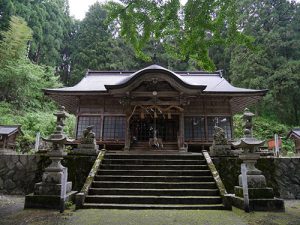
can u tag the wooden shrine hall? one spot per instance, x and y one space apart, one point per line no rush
176 110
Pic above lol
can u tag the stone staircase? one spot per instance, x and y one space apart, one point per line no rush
153 181
144 146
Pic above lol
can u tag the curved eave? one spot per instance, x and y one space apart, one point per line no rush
238 93
70 92
142 72
68 100
91 92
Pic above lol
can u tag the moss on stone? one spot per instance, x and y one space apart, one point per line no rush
255 193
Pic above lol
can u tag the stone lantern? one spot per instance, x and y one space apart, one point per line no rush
249 144
261 197
54 187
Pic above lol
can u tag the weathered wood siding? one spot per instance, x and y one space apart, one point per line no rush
207 107
213 106
99 105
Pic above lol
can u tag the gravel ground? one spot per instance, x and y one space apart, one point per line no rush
12 213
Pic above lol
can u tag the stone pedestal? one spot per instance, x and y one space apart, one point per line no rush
48 193
255 179
220 150
88 144
261 197
220 146
87 149
183 149
259 204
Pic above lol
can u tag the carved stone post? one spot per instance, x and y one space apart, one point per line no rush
47 194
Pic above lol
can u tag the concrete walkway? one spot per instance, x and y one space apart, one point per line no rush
12 213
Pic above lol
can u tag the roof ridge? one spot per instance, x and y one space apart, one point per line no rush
157 67
180 73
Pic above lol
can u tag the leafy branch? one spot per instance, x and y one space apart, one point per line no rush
187 32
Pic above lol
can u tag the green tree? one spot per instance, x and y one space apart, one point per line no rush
275 63
186 32
51 23
94 47
6 11
21 81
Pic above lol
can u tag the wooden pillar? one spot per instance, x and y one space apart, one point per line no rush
181 132
101 126
4 142
77 117
127 133
206 128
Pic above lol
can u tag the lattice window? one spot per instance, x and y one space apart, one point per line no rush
220 121
194 128
84 121
114 128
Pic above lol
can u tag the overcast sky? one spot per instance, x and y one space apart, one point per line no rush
78 8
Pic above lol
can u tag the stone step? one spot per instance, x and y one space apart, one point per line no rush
147 180
142 178
153 185
156 172
146 144
151 167
154 162
166 146
153 206
155 192
167 149
155 156
146 199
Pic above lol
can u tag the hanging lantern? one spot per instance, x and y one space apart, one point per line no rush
169 116
142 115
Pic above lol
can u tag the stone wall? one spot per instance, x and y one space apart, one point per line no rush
282 174
19 173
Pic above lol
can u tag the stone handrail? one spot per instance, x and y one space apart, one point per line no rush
217 179
80 197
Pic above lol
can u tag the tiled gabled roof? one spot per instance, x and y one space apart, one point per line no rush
99 81
9 129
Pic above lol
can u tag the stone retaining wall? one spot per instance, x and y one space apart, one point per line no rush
19 173
282 174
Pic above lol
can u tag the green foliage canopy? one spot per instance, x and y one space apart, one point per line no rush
21 98
21 81
185 31
275 65
50 22
94 46
6 11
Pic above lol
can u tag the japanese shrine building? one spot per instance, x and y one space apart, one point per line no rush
127 107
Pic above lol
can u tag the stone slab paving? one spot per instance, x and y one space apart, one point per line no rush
12 213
